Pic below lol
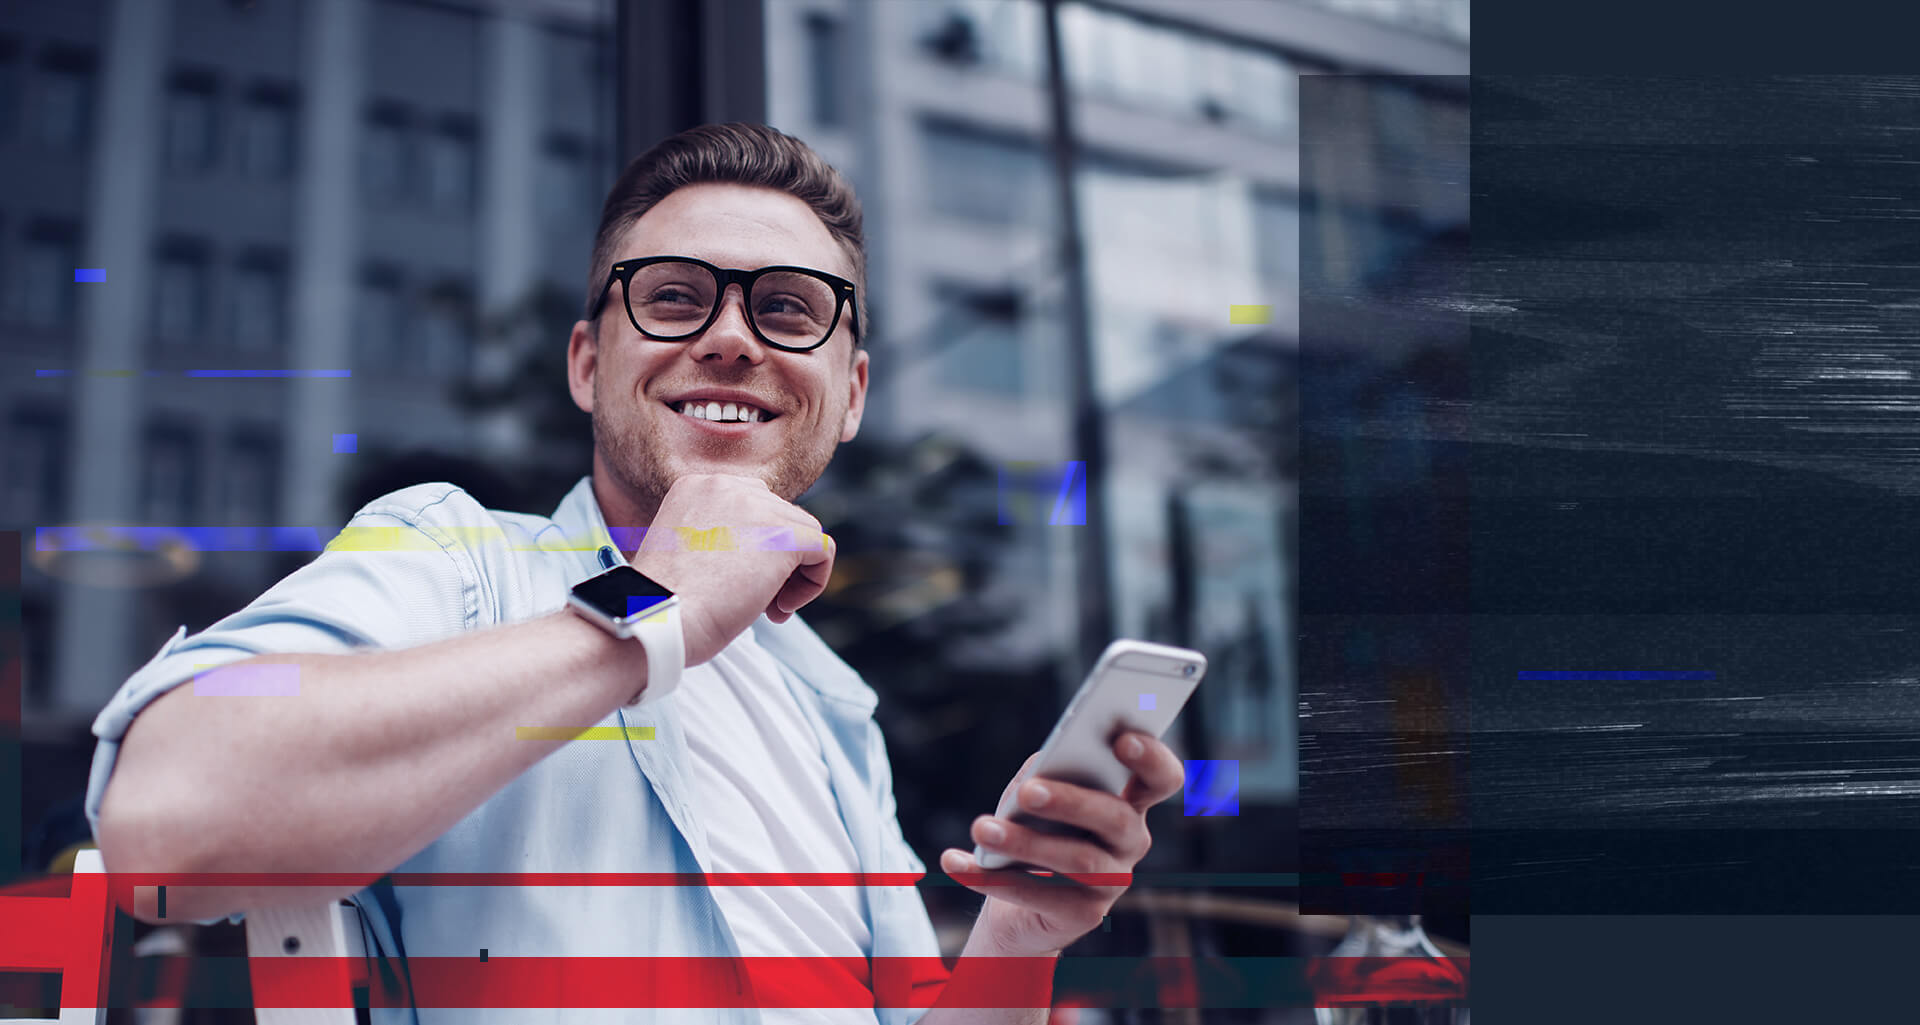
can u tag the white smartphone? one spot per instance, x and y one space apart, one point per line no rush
1134 686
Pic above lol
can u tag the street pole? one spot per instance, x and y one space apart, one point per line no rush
1095 598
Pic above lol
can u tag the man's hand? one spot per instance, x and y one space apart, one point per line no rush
724 589
1028 914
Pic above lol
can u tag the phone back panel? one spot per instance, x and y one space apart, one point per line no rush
1135 686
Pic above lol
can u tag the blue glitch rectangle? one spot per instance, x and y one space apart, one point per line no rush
1146 702
203 539
1064 483
628 538
346 443
95 274
638 603
1213 787
1616 674
52 373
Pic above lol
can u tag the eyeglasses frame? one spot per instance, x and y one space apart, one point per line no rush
726 277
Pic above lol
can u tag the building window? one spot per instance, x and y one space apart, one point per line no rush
267 133
440 347
9 86
450 162
1276 220
982 177
182 293
43 292
250 491
379 320
385 161
34 487
259 303
192 115
980 333
170 482
565 188
825 83
63 100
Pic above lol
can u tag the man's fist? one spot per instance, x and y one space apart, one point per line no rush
732 549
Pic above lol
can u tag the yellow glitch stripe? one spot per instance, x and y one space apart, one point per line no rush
583 733
715 539
413 539
1249 314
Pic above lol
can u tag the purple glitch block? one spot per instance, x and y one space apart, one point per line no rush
97 275
1146 702
254 680
346 443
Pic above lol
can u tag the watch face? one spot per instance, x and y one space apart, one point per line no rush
621 592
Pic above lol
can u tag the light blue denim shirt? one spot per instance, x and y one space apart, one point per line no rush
428 562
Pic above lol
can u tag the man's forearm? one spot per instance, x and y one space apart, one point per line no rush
377 754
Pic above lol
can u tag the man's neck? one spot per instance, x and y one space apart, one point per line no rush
623 516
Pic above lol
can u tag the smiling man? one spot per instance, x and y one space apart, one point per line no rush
446 683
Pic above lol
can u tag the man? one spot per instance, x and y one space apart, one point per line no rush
434 655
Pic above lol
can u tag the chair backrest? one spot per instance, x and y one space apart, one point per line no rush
71 936
329 930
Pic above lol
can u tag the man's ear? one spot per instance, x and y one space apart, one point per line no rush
583 355
856 396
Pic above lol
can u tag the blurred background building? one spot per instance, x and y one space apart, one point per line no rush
405 191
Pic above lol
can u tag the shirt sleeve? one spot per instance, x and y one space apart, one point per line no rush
399 575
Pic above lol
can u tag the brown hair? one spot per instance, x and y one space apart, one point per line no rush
737 153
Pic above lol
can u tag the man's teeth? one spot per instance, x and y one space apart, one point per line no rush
723 412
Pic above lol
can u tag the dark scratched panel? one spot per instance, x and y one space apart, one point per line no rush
1676 509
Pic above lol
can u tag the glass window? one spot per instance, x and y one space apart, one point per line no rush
192 116
566 188
440 347
181 295
34 487
251 486
267 133
450 166
980 333
379 320
9 86
63 100
824 63
45 296
169 485
1276 218
259 304
983 177
384 156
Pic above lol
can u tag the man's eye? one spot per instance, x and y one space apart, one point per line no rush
780 304
671 295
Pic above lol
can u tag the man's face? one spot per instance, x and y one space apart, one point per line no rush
636 388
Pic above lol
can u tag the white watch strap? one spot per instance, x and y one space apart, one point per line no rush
666 649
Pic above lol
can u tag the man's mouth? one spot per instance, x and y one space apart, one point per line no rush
721 412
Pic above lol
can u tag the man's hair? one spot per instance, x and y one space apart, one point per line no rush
737 153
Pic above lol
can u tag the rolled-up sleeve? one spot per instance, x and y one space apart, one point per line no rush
402 573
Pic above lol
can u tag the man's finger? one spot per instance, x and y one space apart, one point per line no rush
1157 772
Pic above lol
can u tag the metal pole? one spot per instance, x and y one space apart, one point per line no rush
1095 600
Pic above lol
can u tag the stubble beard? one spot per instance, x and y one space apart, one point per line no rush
645 468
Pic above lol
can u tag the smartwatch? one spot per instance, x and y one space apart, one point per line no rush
627 603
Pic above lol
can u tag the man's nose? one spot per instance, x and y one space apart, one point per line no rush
729 337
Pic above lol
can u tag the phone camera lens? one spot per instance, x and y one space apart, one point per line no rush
1191 669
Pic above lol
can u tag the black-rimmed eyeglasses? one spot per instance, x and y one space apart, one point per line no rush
673 298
